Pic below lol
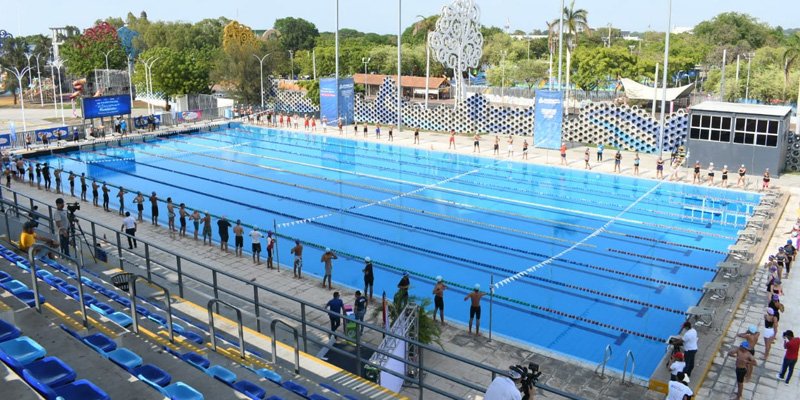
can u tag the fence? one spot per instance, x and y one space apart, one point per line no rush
195 280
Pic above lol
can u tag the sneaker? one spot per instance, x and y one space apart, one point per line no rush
780 378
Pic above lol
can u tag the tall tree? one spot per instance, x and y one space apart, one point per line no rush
12 55
790 57
296 33
575 22
84 53
602 66
177 72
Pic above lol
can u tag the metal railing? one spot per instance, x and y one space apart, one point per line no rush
134 317
35 283
202 279
606 356
272 330
628 355
212 329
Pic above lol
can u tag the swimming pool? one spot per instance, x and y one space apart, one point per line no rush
469 219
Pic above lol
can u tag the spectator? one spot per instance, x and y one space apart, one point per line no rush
129 226
360 309
335 305
689 347
679 388
792 345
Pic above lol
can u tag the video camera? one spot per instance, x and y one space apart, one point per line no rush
72 207
530 375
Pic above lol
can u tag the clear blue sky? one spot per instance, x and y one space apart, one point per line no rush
30 17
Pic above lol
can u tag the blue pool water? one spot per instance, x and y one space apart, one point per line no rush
466 218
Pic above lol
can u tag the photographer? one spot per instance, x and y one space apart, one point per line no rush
505 387
62 223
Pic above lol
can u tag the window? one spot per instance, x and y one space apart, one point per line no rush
710 127
759 132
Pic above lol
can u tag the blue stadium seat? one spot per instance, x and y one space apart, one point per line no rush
269 374
8 331
102 308
68 289
87 299
14 286
294 387
317 397
153 374
125 358
55 281
43 273
222 373
178 329
78 390
20 351
120 318
191 336
196 359
143 311
50 371
274 398
27 297
4 277
176 391
250 389
157 319
100 341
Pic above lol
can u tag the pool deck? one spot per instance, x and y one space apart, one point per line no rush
578 379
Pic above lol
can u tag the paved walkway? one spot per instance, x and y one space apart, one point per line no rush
569 377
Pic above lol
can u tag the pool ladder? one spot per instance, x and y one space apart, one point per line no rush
628 355
606 357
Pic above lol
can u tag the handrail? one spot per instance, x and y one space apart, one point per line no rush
212 330
607 356
272 326
628 355
132 295
35 283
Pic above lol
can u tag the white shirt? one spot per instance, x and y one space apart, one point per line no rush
690 340
502 388
676 367
129 222
677 390
255 236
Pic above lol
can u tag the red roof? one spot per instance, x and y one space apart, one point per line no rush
406 81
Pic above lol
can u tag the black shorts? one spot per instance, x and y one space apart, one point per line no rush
140 207
368 281
475 312
269 252
256 247
223 238
740 374
438 302
238 241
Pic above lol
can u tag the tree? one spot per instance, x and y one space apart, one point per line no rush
595 67
84 53
731 29
530 72
176 73
790 57
574 22
418 31
12 56
429 331
296 33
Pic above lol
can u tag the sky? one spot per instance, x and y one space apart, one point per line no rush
22 18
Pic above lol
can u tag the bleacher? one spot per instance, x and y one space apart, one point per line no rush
54 354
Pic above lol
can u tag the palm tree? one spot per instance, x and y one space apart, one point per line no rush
552 43
575 22
790 56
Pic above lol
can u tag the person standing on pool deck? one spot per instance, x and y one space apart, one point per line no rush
95 192
724 176
790 252
751 335
38 169
563 152
207 229
476 143
510 146
586 159
71 180
328 258
416 136
222 226
154 209
360 308
696 176
46 175
764 180
255 239
378 131
524 149
121 197
496 148
139 201
792 346
402 288
366 130
129 227
30 173
83 186
689 346
335 305
238 238
182 213
297 250
438 298
742 173
391 134
106 197
57 174
195 217
660 168
618 162
270 246
170 215
744 361
636 162
452 141
475 308
369 277
711 174
600 148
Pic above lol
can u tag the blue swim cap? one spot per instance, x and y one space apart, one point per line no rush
745 345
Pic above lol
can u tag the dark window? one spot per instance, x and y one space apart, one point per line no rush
726 123
772 140
762 126
706 121
715 122
738 137
715 136
773 127
749 138
704 134
695 120
761 140
751 125
725 137
695 133
740 122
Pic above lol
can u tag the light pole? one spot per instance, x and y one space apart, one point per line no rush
261 69
749 57
148 81
130 79
39 78
662 121
53 81
30 70
58 63
560 41
365 61
108 82
503 75
722 81
291 57
20 74
314 62
399 63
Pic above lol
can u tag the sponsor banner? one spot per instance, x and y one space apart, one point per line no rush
106 106
548 117
57 133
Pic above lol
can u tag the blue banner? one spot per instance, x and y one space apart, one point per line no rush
5 140
335 104
106 106
57 133
548 117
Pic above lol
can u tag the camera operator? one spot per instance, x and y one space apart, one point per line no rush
505 387
62 223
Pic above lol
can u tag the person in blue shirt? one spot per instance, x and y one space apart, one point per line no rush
360 308
600 148
335 305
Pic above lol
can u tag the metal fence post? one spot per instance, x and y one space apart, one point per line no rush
180 275
16 205
52 223
119 251
419 371
94 237
216 288
358 347
147 260
303 326
257 307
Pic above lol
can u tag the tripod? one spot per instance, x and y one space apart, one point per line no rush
73 235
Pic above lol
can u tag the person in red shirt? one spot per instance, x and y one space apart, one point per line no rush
563 153
792 345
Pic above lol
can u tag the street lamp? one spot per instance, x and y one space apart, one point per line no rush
749 57
291 57
19 74
662 121
30 70
365 61
148 81
58 64
106 54
503 75
261 65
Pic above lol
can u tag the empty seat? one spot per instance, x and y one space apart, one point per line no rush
222 373
250 389
176 391
102 308
120 318
294 387
196 359
125 358
4 277
20 351
269 375
54 281
274 398
28 298
8 331
153 374
50 371
158 319
100 341
78 390
143 311
42 273
193 337
14 286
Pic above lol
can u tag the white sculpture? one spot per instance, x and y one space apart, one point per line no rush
457 41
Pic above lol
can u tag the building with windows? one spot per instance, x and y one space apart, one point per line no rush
733 134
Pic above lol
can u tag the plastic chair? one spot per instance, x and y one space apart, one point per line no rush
176 391
158 319
121 319
14 286
250 389
100 341
50 371
125 358
42 273
8 331
294 387
20 351
27 297
78 390
222 373
102 308
153 374
4 277
193 337
197 360
269 375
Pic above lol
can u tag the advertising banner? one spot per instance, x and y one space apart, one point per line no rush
106 106
188 116
548 118
337 101
57 133
347 100
5 140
